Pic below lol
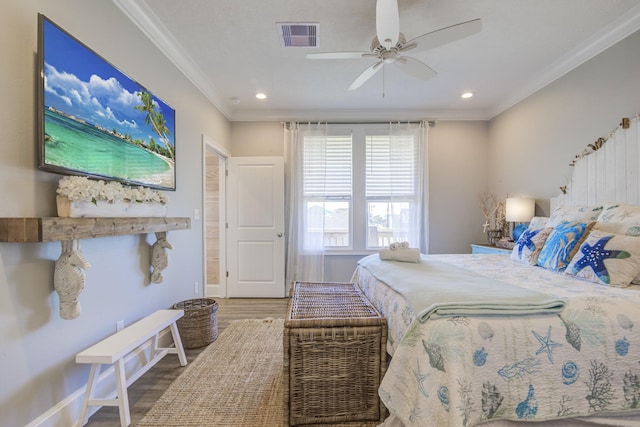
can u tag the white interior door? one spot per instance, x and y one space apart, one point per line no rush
255 234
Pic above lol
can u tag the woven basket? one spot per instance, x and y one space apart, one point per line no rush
199 325
334 348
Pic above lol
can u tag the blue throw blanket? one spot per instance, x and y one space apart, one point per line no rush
435 288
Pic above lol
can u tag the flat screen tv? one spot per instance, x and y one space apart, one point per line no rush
95 121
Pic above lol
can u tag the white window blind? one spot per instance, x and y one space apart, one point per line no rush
390 166
327 167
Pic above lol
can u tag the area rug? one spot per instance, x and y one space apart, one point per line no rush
236 381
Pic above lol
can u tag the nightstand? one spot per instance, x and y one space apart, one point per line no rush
488 249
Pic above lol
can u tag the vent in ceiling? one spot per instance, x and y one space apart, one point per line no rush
298 34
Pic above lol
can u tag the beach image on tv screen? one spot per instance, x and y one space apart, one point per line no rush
98 121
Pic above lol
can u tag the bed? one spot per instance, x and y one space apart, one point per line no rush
559 346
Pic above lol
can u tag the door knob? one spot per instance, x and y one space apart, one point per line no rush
279 234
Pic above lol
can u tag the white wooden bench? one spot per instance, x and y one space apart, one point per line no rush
112 351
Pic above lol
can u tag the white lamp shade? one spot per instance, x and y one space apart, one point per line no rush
519 209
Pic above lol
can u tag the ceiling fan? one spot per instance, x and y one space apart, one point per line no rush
390 46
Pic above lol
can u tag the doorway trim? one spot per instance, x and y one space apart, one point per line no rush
210 146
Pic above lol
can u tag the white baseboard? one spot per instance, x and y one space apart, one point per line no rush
66 412
215 291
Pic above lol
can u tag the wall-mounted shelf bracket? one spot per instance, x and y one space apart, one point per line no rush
68 276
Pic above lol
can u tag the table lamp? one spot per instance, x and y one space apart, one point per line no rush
519 210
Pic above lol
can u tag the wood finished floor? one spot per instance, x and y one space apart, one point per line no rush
147 389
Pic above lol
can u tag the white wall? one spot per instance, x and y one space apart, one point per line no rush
37 368
265 139
533 143
458 167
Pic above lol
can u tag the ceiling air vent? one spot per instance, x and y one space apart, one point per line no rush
298 34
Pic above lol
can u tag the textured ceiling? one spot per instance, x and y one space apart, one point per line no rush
230 49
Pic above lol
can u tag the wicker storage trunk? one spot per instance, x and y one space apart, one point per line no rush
334 355
199 325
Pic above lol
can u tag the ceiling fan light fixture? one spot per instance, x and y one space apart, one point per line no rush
261 95
466 95
390 46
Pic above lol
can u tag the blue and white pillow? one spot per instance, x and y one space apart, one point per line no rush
608 259
528 247
562 244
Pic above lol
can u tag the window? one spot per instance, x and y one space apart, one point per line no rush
327 190
391 188
361 188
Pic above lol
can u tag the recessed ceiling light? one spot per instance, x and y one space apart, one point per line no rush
261 95
467 95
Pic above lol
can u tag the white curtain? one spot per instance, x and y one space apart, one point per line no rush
407 175
305 250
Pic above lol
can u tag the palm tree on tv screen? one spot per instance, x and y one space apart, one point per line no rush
156 119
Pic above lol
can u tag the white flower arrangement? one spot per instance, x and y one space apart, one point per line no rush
80 188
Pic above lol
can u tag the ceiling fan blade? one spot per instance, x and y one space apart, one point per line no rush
387 22
336 55
366 75
443 36
416 68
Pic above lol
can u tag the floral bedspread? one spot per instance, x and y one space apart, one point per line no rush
463 371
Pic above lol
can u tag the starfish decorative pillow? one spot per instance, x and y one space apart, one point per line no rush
529 245
608 259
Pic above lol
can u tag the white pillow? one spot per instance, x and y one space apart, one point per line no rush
620 219
580 213
538 222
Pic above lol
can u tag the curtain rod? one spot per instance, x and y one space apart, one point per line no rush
431 123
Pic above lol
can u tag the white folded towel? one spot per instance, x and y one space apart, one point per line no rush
403 255
398 245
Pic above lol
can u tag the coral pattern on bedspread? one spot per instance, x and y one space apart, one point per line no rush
463 371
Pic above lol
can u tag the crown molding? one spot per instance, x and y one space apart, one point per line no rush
146 20
357 115
618 30
149 23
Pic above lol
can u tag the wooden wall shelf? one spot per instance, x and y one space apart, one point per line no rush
50 229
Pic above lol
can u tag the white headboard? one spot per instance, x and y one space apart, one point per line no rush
608 170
